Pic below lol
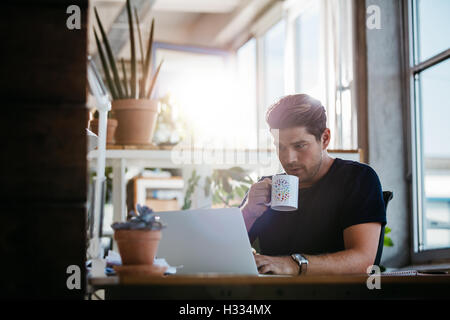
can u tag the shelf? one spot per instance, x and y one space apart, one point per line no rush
178 158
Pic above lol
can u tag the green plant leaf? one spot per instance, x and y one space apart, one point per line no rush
240 191
207 188
192 184
148 57
141 47
248 180
388 242
150 90
216 199
125 81
387 230
237 173
226 185
133 79
109 81
110 56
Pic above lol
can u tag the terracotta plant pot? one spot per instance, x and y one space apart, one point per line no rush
137 247
110 129
137 120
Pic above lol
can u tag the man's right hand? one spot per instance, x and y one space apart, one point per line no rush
258 198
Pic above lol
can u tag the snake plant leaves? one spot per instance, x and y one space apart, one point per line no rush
133 53
125 81
110 56
152 85
141 47
147 63
109 81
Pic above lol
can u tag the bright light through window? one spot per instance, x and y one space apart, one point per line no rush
307 29
206 93
274 43
246 73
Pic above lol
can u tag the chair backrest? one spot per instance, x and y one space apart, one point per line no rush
387 196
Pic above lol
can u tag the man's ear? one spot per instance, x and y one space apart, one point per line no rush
326 137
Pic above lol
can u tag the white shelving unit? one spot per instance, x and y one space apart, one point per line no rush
203 161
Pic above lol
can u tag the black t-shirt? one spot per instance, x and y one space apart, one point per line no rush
348 194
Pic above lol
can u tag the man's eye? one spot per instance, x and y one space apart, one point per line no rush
300 146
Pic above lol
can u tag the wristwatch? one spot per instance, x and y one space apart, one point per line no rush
302 262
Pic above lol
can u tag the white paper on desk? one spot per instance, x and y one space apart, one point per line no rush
163 263
114 259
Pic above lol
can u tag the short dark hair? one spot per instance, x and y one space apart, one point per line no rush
298 110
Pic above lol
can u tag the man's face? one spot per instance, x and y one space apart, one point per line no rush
299 152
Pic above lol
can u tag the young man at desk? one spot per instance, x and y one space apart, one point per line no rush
337 225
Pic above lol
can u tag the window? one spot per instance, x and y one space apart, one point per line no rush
273 42
307 47
202 87
431 18
429 70
246 79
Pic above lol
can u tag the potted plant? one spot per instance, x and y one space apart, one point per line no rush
132 103
138 237
228 186
110 130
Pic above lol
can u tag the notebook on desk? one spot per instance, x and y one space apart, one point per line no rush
211 241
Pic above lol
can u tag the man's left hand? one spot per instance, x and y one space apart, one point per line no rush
276 265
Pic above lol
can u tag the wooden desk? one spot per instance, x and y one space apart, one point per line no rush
210 287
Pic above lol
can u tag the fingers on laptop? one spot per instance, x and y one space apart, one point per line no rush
262 264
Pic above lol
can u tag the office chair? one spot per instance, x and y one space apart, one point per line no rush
387 196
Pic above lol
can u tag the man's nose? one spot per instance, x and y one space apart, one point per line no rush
291 156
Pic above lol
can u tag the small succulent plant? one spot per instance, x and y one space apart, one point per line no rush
143 220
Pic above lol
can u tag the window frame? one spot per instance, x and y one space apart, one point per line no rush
412 70
289 11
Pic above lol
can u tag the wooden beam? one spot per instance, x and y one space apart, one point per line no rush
360 66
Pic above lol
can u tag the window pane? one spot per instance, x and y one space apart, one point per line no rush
203 89
246 88
433 27
274 63
307 53
435 137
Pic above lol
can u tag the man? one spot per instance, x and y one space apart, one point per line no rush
337 226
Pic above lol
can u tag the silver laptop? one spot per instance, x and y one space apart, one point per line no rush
206 241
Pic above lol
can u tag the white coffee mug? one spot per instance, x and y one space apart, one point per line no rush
284 195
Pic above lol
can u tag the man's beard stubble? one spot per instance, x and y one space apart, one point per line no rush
314 171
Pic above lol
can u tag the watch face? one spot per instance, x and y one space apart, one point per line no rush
297 258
